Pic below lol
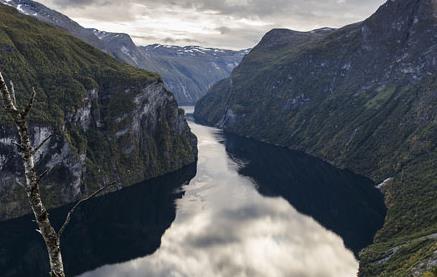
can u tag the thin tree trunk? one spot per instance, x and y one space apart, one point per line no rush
48 233
50 236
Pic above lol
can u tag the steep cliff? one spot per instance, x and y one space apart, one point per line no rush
109 121
363 97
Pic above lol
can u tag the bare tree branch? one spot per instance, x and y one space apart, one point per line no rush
17 145
80 202
42 175
28 108
7 98
32 178
42 144
19 183
13 93
32 189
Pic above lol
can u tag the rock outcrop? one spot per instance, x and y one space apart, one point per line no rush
108 121
362 97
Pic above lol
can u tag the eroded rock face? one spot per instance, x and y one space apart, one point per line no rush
108 121
362 97
151 139
336 93
56 154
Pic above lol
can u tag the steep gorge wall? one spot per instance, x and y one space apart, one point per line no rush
363 97
109 121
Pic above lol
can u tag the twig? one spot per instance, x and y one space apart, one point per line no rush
28 108
7 99
41 144
70 213
41 216
14 99
18 145
42 175
19 183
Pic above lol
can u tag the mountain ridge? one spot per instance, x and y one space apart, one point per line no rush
362 97
187 76
108 120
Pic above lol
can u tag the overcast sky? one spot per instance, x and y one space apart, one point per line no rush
233 24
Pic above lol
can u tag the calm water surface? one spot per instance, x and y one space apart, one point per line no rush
251 210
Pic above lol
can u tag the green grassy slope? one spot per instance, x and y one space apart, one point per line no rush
32 51
133 130
363 97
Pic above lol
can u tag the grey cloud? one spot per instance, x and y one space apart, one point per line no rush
224 30
230 24
145 37
269 8
78 3
168 40
246 8
183 40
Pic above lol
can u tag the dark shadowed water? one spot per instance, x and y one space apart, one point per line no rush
247 209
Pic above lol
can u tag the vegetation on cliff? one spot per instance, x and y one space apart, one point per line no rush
108 120
362 97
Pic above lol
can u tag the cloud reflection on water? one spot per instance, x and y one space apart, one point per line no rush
224 227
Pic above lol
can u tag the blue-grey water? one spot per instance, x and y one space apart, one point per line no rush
246 209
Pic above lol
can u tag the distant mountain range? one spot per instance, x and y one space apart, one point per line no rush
363 97
188 71
191 70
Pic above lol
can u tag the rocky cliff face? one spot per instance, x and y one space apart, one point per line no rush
108 121
188 72
362 97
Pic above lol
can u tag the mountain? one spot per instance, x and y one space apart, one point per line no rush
363 97
187 71
109 120
191 70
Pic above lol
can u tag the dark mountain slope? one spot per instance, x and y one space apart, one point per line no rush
363 97
191 70
187 71
110 121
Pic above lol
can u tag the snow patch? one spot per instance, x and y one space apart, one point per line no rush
21 10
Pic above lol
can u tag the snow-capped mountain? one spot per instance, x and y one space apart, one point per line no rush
191 70
187 71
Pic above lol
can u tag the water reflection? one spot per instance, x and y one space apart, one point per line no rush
251 210
225 227
341 201
110 229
